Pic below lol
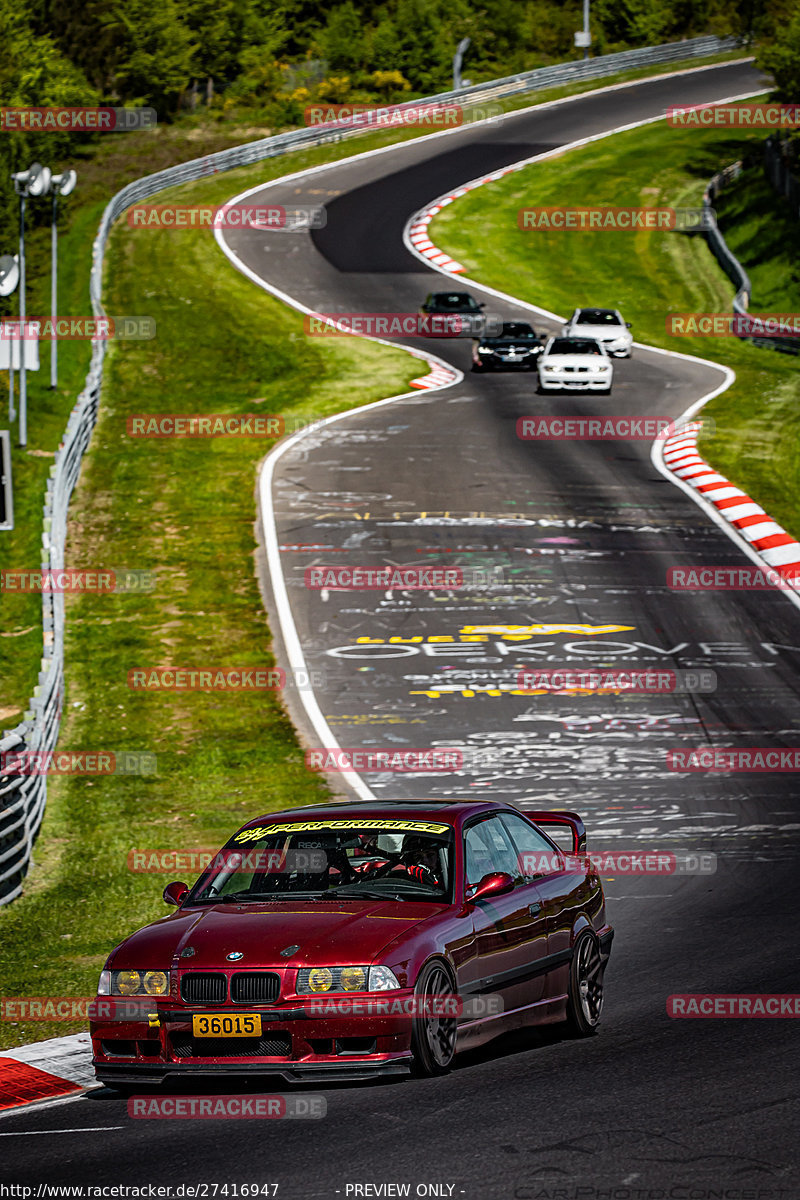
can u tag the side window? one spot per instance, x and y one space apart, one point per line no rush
535 854
488 848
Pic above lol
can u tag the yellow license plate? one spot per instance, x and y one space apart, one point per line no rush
229 1025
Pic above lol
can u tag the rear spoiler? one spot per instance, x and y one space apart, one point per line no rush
567 820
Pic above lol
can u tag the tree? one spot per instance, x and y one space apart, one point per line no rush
781 57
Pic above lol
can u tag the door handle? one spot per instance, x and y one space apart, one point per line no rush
535 908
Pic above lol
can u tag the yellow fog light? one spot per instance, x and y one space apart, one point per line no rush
128 982
353 979
156 983
320 979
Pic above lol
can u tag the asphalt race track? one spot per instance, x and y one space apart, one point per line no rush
548 533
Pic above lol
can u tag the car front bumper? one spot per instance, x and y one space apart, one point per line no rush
574 382
295 1043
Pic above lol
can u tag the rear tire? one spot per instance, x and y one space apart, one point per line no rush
433 1039
585 999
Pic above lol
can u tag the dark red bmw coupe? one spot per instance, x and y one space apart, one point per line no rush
345 941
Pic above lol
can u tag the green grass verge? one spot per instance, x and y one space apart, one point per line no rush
649 274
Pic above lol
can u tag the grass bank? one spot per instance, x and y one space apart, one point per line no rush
650 274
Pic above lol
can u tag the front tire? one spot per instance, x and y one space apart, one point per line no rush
585 999
433 1039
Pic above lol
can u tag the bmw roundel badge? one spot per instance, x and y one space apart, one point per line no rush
234 956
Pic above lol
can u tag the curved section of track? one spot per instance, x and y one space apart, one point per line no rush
574 540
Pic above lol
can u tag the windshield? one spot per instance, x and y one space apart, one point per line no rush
573 346
517 332
598 316
456 301
348 858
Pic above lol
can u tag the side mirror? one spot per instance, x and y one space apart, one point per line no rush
175 893
628 324
481 304
495 884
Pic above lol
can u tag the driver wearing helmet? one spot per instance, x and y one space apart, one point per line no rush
419 860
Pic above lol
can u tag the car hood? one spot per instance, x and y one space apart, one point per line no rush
573 360
326 932
598 332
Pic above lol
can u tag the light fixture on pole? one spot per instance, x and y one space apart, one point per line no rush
458 60
60 185
9 278
33 182
583 37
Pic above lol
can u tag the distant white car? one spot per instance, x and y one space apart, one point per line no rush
579 364
605 325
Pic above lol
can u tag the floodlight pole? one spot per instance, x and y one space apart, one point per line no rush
23 382
54 290
586 27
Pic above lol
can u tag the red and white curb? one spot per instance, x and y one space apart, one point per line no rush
777 548
417 232
440 375
48 1070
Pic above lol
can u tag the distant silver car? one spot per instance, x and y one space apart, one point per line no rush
576 364
605 325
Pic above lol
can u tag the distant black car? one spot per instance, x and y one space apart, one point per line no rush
516 345
465 309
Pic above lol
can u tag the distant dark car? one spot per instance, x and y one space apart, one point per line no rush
517 345
466 311
354 940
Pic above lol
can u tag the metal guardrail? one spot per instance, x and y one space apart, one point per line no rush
733 268
22 798
717 244
778 171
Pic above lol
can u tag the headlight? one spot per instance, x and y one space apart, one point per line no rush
550 368
485 350
381 979
156 983
133 983
345 979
